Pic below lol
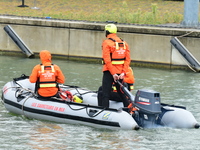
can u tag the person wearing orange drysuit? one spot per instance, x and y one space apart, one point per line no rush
46 76
116 60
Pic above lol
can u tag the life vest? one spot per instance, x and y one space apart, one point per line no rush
127 85
114 88
118 55
47 77
130 86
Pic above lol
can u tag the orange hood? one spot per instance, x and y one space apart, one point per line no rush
45 56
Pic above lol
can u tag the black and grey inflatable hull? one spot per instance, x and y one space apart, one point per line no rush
18 97
63 111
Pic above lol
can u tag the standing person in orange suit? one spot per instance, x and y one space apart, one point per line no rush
129 81
116 60
46 76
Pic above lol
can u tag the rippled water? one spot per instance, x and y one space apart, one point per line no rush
176 87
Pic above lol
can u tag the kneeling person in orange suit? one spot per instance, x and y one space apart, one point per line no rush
46 76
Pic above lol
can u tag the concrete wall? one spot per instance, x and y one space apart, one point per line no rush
149 45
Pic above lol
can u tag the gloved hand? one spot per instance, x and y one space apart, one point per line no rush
115 77
121 76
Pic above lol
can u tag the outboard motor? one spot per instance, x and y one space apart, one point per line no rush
149 108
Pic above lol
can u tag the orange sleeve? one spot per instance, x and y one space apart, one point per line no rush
129 77
106 48
60 76
34 75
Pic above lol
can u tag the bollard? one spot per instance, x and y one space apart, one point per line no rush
191 12
22 4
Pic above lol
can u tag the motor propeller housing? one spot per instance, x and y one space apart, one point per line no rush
149 107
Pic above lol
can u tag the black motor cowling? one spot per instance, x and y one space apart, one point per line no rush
149 107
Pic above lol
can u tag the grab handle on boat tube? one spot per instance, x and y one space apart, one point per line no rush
126 91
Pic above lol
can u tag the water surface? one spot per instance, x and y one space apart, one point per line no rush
176 87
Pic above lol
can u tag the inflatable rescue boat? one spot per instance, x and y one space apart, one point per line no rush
18 97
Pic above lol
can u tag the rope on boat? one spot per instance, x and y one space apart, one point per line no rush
21 88
24 103
85 107
21 92
96 114
67 102
76 88
10 88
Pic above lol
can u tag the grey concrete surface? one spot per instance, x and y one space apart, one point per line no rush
148 44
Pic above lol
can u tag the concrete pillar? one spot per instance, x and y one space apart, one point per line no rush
191 12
